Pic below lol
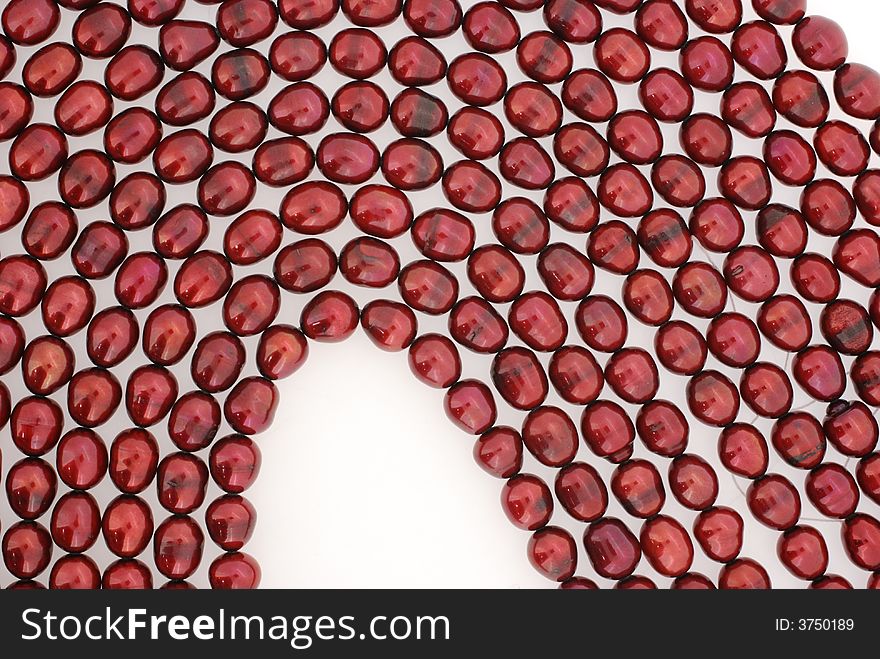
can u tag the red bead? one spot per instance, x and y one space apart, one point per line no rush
693 482
51 69
183 44
133 72
154 12
799 440
666 95
203 278
357 53
866 193
347 158
476 79
537 320
127 526
27 549
137 201
499 451
680 348
226 189
490 27
678 180
638 487
240 126
521 226
194 421
307 14
832 490
86 178
390 325
127 574
532 109
471 187
37 152
612 548
781 12
577 146
251 305
81 459
428 287
746 182
434 359
550 435
252 237
847 327
712 398
570 203
369 262
635 137
281 351
83 108
865 374
717 224
790 157
470 406
111 337
75 572
820 43
102 30
30 488
567 274
297 56
76 522
706 139
180 482
19 109
667 546
262 16
313 207
857 255
621 55
305 266
235 463
774 501
624 191
250 406
803 551
743 450
92 396
632 375
700 289
664 237
800 97
361 106
439 234
608 430
714 16
411 164
581 492
29 22
234 571
177 547
868 475
588 94
544 57
856 87
662 24
35 422
819 371
553 553
299 109
707 64
330 316
663 428
782 231
759 49
415 113
601 323
861 537
230 522
851 428
283 162
576 375
828 207
719 531
527 502
842 148
67 305
519 378
432 18
743 573
140 280
414 61
134 456
692 581
183 156
149 394
766 388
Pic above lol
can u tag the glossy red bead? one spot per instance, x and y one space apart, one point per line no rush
719 532
832 490
767 389
590 95
100 31
439 234
330 316
800 97
625 191
177 547
93 396
235 463
27 23
499 451
67 305
51 69
717 224
86 178
81 459
759 49
519 377
707 64
476 79
76 522
230 521
112 336
621 55
638 487
234 571
608 430
700 289
663 428
134 457
27 549
712 398
743 574
252 237
31 485
706 139
180 482
37 152
612 548
861 538
851 428
194 421
667 546
127 526
774 501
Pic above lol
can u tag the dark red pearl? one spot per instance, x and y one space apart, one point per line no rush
851 428
707 64
715 17
313 207
347 158
470 406
281 351
706 139
67 305
76 522
525 163
700 289
832 490
666 95
19 109
857 255
476 79
532 109
111 337
521 226
612 548
133 72
12 343
632 375
439 234
538 321
746 182
580 149
847 327
781 12
576 375
140 280
692 581
137 201
820 43
621 55
183 156
246 22
663 428
361 106
81 459
102 30
475 324
782 231
861 538
411 164
226 189
828 207
678 180
149 394
842 148
499 451
635 137
519 378
239 126
815 278
570 203
712 398
329 316
601 323
369 262
667 546
185 100
299 109
134 456
251 305
490 28
217 361
856 87
183 44
22 284
549 433
693 482
719 531
127 574
434 359
608 430
7 56
305 266
544 57
784 320
230 522
27 549
283 162
413 61
581 492
307 14
297 56
27 23
790 158
51 69
250 406
866 192
799 440
624 191
30 487
86 179
830 582
235 463
717 224
37 152
234 571
800 97
180 482
553 553
415 113
865 374
665 238
390 325
357 53
252 237
127 525
743 574
194 421
567 274
662 24
35 424
819 371
868 475
759 49
588 94
177 547
767 389
83 108
638 487
92 396
774 501
471 187
154 12
751 273
527 502
75 572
